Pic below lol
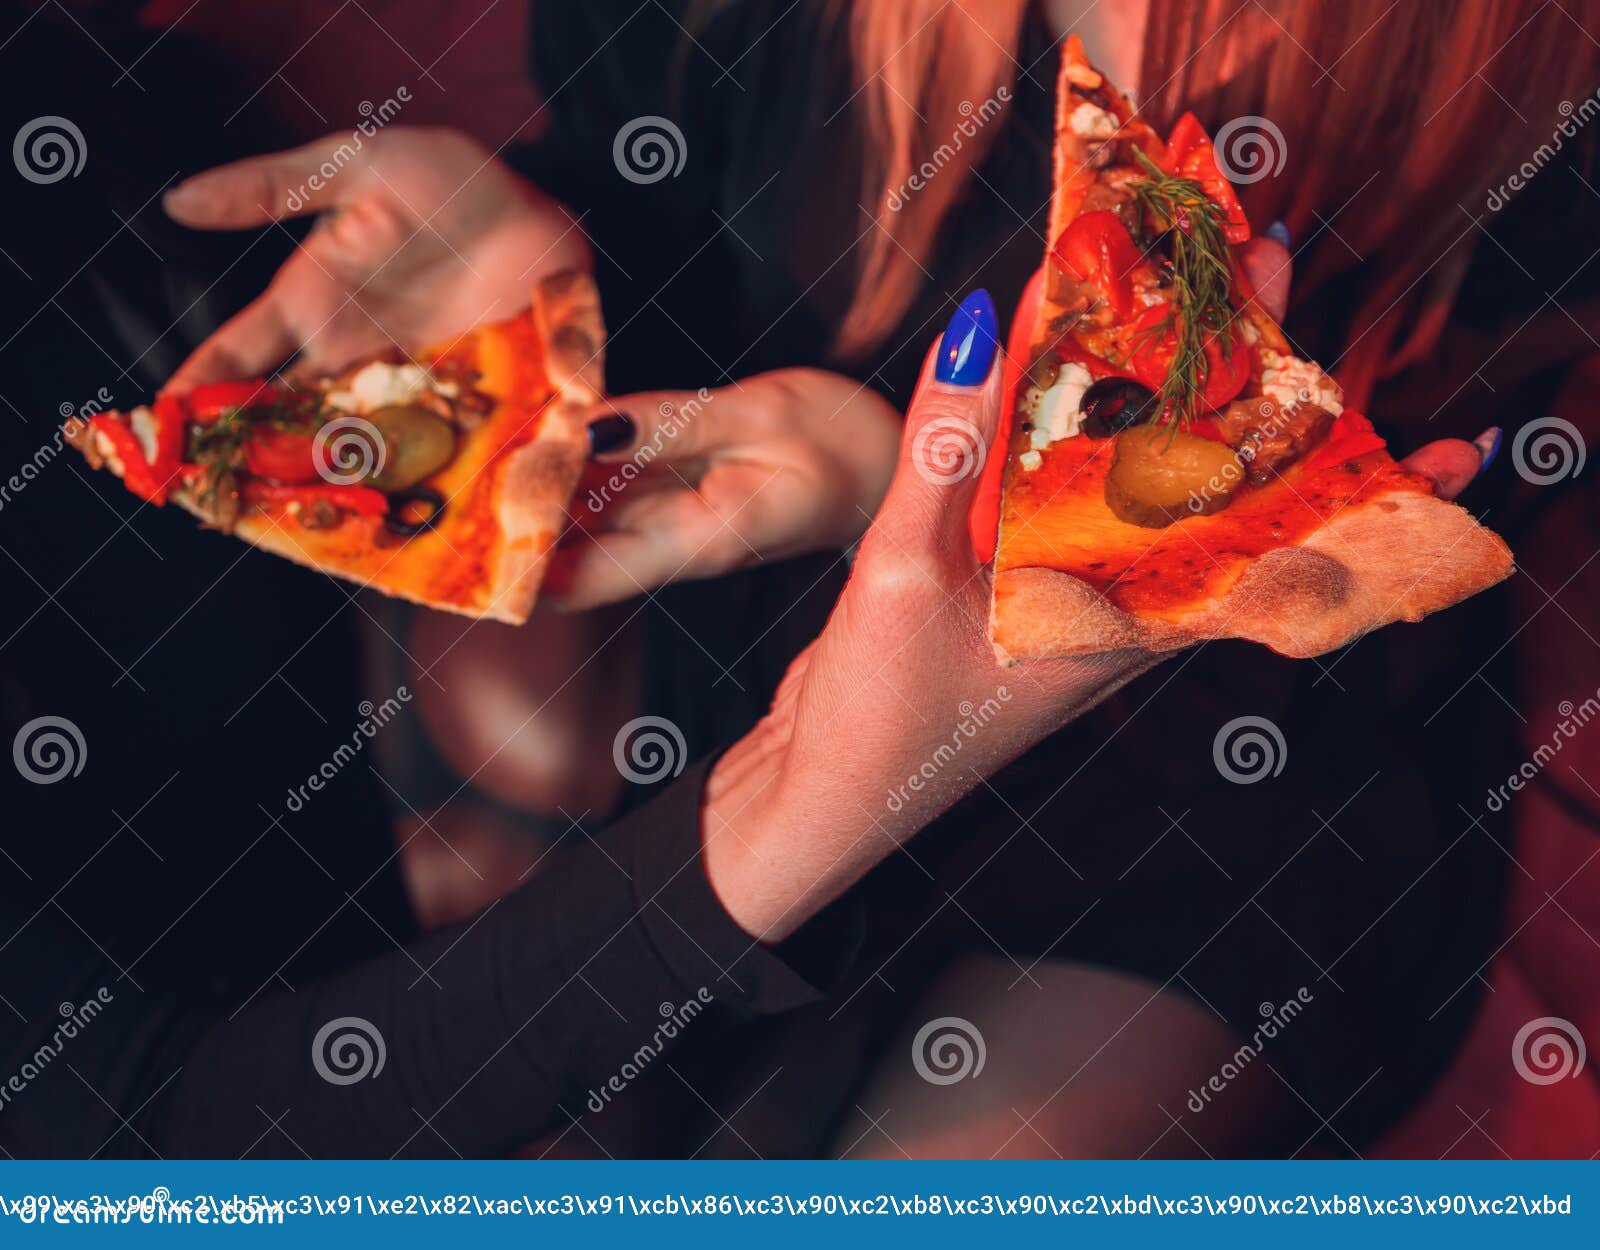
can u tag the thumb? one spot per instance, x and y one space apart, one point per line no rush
669 426
950 433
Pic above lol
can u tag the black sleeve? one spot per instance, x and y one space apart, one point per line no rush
471 1041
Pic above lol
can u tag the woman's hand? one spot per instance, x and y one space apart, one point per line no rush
899 707
695 484
423 234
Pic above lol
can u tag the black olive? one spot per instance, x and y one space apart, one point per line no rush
398 519
1112 405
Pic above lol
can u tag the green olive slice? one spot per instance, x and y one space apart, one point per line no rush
416 444
1161 476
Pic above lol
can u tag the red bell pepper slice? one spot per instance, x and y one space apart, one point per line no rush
1190 155
1152 357
362 500
1352 436
138 475
285 456
1097 248
210 400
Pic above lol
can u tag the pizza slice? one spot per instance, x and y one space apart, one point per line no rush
1174 472
443 478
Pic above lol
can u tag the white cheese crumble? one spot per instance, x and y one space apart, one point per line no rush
1288 380
379 385
1090 121
1054 412
143 424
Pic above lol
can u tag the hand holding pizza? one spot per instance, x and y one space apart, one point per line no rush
900 706
902 682
422 234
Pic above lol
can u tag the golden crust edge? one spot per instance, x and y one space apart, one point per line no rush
1345 579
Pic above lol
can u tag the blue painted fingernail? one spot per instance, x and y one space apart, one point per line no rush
1278 232
1488 445
970 342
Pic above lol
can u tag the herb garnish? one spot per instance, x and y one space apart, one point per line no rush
1201 284
219 446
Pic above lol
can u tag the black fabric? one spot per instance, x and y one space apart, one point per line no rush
1122 844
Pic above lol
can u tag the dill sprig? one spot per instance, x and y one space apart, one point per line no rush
1202 283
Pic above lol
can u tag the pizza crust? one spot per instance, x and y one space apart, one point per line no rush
1346 578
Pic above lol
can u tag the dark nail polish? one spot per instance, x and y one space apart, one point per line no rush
1278 232
1488 445
970 342
610 433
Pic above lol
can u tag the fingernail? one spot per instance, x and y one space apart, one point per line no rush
610 432
181 199
1488 445
970 342
1278 232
